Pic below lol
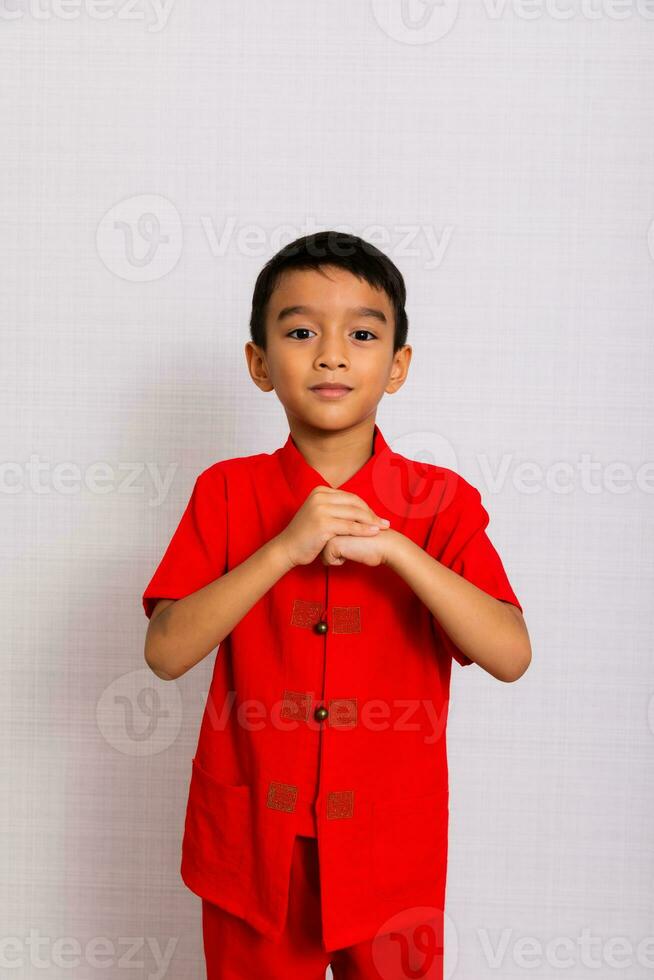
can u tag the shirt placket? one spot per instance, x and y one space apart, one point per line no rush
334 802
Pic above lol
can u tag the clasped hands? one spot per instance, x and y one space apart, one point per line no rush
366 550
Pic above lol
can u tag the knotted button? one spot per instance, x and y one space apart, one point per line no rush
320 713
321 627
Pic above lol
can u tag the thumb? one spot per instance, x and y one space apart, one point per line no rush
331 554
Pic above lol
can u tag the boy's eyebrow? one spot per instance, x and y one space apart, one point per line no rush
370 311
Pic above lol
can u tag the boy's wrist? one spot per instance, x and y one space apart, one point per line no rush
396 546
279 555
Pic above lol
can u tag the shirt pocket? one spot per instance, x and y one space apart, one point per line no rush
218 821
409 844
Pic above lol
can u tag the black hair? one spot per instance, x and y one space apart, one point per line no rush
335 248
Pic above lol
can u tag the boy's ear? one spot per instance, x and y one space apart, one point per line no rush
400 369
256 361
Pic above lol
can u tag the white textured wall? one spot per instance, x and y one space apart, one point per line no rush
502 154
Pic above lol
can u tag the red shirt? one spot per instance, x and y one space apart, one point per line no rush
353 639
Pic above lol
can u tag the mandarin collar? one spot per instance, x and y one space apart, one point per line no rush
302 478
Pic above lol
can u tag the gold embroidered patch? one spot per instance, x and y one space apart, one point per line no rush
340 804
343 712
282 796
296 705
305 614
346 619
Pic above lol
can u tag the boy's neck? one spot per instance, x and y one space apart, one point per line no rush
336 455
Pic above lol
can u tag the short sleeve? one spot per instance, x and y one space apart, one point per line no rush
197 552
459 540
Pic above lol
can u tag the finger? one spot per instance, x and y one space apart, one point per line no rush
367 509
356 527
358 513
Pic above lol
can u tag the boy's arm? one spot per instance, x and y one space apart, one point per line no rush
189 624
182 632
489 631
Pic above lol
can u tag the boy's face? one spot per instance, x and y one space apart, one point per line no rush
343 334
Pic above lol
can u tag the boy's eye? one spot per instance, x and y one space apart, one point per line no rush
306 330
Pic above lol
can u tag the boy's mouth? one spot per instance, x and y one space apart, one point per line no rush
330 390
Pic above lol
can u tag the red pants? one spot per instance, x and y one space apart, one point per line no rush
235 951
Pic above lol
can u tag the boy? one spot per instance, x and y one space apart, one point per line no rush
339 579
